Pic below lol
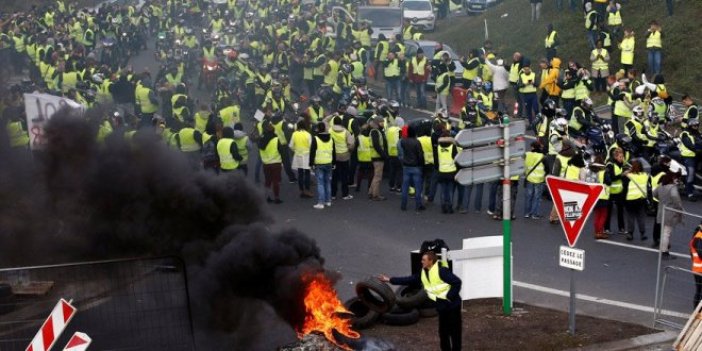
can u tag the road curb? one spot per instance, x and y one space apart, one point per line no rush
666 337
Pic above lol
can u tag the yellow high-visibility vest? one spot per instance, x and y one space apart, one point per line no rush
364 148
604 195
534 160
187 140
627 46
302 140
393 136
637 186
339 138
528 87
270 155
323 156
392 69
617 186
433 285
446 163
550 40
425 142
227 161
654 41
599 63
614 18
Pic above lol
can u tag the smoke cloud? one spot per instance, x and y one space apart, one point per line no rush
80 200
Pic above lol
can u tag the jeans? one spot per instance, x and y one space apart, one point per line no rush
323 173
340 175
514 187
446 192
655 57
532 198
421 95
669 6
478 197
392 88
492 195
592 38
535 11
411 176
635 214
531 106
450 329
404 91
690 166
618 200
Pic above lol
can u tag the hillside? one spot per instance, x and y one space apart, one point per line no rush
510 29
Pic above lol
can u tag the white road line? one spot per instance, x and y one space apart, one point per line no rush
595 299
640 248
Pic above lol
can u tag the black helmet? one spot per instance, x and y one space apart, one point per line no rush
359 81
549 106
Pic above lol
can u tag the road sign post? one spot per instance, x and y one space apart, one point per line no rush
506 226
574 202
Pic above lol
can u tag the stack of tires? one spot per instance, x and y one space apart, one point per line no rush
376 302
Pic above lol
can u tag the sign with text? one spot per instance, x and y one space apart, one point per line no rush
574 201
39 109
572 258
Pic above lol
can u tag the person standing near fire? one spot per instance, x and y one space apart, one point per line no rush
442 287
695 251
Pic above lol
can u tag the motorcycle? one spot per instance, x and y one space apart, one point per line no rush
208 74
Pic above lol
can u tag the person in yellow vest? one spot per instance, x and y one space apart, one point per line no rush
654 47
392 73
535 178
443 287
616 171
591 24
228 152
189 141
343 145
515 69
549 81
634 129
471 67
146 101
596 169
560 164
230 113
300 143
442 87
636 195
418 73
689 145
600 66
614 19
363 155
691 110
270 149
527 89
394 165
444 153
322 160
382 48
243 146
627 47
379 154
17 132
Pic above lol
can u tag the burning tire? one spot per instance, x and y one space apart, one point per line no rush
363 317
409 297
376 295
400 316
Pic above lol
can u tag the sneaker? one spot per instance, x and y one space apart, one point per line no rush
526 216
348 197
333 197
319 206
536 217
378 198
667 256
601 236
277 201
644 237
293 181
692 198
352 185
629 236
462 210
490 213
623 232
328 204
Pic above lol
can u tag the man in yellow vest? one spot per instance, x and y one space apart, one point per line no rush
395 166
189 141
17 132
614 19
391 72
322 160
343 145
535 176
300 143
615 173
442 287
654 47
228 152
527 90
379 154
636 195
627 46
444 153
418 73
146 101
691 110
689 145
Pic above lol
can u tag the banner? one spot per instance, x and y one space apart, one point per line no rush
39 109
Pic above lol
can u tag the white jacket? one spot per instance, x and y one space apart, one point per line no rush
500 76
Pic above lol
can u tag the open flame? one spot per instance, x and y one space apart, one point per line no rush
324 312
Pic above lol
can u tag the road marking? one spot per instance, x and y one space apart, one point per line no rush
595 299
640 247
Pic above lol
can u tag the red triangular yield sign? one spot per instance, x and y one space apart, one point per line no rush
574 202
76 340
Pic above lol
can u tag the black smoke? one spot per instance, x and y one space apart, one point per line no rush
81 200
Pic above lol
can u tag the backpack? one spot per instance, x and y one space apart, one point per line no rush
210 158
433 245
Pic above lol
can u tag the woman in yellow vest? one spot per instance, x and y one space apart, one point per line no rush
270 150
627 46
636 195
300 143
444 153
600 66
322 157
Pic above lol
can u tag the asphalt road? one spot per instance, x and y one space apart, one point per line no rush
360 238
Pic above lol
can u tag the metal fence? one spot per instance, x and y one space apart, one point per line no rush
675 287
129 304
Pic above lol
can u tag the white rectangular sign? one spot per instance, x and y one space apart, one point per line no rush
572 258
39 109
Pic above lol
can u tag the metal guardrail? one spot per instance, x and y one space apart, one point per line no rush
658 308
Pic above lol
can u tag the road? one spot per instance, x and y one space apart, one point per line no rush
360 238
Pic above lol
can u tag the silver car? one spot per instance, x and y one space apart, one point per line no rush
420 13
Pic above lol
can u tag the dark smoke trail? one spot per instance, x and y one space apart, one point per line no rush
80 200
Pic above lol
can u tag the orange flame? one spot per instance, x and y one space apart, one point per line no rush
322 308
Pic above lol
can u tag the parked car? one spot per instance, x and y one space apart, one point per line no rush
477 6
421 13
428 46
